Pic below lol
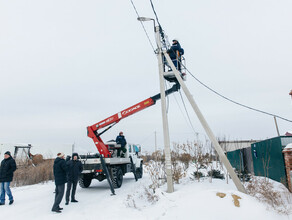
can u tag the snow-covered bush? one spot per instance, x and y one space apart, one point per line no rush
273 194
156 170
216 174
197 175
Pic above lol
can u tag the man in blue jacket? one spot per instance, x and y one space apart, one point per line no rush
60 173
8 166
122 141
175 52
74 168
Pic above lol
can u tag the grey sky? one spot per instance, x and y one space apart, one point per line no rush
65 65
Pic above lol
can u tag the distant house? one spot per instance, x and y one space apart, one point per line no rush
239 154
228 146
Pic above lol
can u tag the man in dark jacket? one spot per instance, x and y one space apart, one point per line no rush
74 168
8 166
60 173
122 141
175 52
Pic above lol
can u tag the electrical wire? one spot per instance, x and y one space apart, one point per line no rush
143 26
155 13
187 111
167 97
160 27
230 100
190 123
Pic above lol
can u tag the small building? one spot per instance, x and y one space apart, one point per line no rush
239 154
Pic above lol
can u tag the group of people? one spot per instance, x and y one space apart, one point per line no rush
66 171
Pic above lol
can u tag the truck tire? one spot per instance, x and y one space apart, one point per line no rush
117 176
84 181
139 171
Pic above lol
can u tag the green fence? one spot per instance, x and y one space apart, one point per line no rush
236 160
268 159
264 158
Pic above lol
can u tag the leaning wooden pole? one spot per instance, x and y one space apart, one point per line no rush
205 125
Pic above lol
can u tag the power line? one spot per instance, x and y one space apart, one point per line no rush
143 26
230 100
155 12
160 27
183 114
186 111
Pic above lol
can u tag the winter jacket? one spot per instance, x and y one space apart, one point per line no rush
173 51
74 168
60 171
121 140
8 166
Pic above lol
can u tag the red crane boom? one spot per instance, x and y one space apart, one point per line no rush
112 120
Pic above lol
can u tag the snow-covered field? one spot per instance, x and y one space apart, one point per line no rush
191 200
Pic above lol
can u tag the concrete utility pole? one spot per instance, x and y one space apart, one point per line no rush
205 125
276 126
168 168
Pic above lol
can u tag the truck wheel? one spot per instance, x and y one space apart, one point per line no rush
139 171
117 177
84 181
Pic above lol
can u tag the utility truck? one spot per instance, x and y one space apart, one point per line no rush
106 164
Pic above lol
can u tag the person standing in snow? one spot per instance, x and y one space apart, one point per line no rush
74 168
60 173
8 166
122 141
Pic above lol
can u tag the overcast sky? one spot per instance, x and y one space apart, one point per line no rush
65 65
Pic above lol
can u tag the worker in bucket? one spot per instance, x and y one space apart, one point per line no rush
122 141
175 52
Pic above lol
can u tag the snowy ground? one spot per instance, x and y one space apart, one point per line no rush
191 200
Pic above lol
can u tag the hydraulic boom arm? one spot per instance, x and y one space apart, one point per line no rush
112 120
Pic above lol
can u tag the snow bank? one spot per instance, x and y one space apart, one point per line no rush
191 200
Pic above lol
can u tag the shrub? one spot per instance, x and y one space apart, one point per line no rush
244 176
28 175
156 170
216 174
197 174
263 190
179 171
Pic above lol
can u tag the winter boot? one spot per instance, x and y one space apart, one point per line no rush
11 202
